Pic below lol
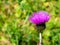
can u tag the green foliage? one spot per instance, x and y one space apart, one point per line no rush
15 25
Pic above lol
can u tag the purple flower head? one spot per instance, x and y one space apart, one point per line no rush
39 17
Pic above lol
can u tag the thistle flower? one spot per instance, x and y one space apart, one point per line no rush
39 18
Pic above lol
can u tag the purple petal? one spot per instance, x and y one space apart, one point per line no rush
39 17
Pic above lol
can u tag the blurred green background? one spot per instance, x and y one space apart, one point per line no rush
15 25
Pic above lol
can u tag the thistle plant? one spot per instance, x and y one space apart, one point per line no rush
39 19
